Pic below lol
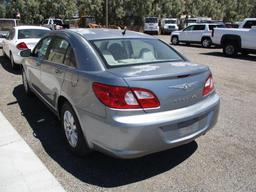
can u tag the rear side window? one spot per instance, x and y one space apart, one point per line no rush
70 58
211 27
57 50
249 24
199 27
45 21
31 33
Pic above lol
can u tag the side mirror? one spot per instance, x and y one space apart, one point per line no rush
25 53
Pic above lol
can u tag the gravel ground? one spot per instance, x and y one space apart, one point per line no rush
222 160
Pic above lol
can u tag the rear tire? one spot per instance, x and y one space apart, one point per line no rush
230 49
206 42
175 40
72 131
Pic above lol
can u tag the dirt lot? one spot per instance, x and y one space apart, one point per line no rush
222 160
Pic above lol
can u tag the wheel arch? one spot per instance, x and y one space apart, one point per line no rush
231 38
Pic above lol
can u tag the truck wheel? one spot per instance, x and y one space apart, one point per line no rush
175 40
230 49
72 131
206 42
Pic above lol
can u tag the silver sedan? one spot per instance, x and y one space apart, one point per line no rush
124 93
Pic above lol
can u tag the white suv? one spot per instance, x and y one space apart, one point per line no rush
196 33
151 25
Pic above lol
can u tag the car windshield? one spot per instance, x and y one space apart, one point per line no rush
151 20
123 52
31 33
170 21
57 22
6 25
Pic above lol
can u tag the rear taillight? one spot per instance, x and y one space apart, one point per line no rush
22 46
208 86
124 97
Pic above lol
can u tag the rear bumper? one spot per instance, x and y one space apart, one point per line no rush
138 135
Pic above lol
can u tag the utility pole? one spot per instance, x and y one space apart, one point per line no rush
107 13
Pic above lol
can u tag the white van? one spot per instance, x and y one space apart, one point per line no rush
5 26
168 25
151 25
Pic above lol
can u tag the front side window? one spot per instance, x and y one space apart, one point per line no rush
189 28
121 52
31 33
57 50
40 50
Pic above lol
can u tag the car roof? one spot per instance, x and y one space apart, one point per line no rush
102 33
30 27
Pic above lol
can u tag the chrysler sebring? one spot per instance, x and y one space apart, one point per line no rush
124 93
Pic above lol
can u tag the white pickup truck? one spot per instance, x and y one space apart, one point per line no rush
234 41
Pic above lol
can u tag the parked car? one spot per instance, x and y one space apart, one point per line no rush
197 33
234 41
248 23
55 24
20 38
5 26
151 25
123 93
168 25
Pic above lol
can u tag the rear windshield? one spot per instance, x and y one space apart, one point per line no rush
31 33
6 25
151 20
123 52
211 27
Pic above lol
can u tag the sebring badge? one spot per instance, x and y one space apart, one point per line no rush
184 86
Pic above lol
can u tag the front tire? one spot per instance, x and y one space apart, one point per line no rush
72 131
230 49
175 40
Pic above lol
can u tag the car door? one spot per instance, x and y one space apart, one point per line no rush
53 69
249 39
33 64
185 34
197 33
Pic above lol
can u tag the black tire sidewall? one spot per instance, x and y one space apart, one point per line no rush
235 49
209 40
81 149
177 40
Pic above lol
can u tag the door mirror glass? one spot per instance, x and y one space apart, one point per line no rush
25 53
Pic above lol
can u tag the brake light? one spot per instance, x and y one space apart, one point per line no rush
124 97
22 46
208 86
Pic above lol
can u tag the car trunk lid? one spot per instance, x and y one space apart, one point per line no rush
176 84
